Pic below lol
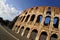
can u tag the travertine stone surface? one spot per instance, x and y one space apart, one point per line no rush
38 27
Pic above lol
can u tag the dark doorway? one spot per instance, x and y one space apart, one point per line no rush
21 30
43 36
26 32
54 37
33 34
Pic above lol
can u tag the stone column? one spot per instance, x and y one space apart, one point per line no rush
38 35
28 36
35 19
24 19
19 29
52 18
29 19
48 36
59 23
21 19
59 29
43 18
23 31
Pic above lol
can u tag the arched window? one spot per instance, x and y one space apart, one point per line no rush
27 18
47 20
23 19
56 22
43 36
32 17
53 37
26 32
33 34
39 18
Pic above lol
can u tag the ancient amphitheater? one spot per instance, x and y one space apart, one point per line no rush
39 23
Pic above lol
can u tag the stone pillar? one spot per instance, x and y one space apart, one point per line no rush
19 29
28 36
51 24
43 18
23 31
48 37
59 23
59 29
29 19
24 19
21 19
38 35
52 19
35 19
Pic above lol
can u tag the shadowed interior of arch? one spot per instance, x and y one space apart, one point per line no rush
56 22
33 34
21 30
39 18
27 18
43 36
26 32
32 17
53 37
47 20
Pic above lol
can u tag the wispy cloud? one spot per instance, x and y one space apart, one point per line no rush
7 12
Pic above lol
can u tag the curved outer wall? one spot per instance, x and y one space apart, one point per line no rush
38 27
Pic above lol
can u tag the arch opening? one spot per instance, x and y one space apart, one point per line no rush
39 19
33 34
17 28
56 22
27 18
47 20
54 37
48 12
23 19
26 32
43 36
32 17
22 28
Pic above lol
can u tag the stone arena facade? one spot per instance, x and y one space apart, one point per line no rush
39 23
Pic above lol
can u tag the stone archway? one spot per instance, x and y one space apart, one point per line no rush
53 37
17 28
43 36
33 34
26 32
21 30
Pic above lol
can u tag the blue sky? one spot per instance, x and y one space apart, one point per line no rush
24 4
9 9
